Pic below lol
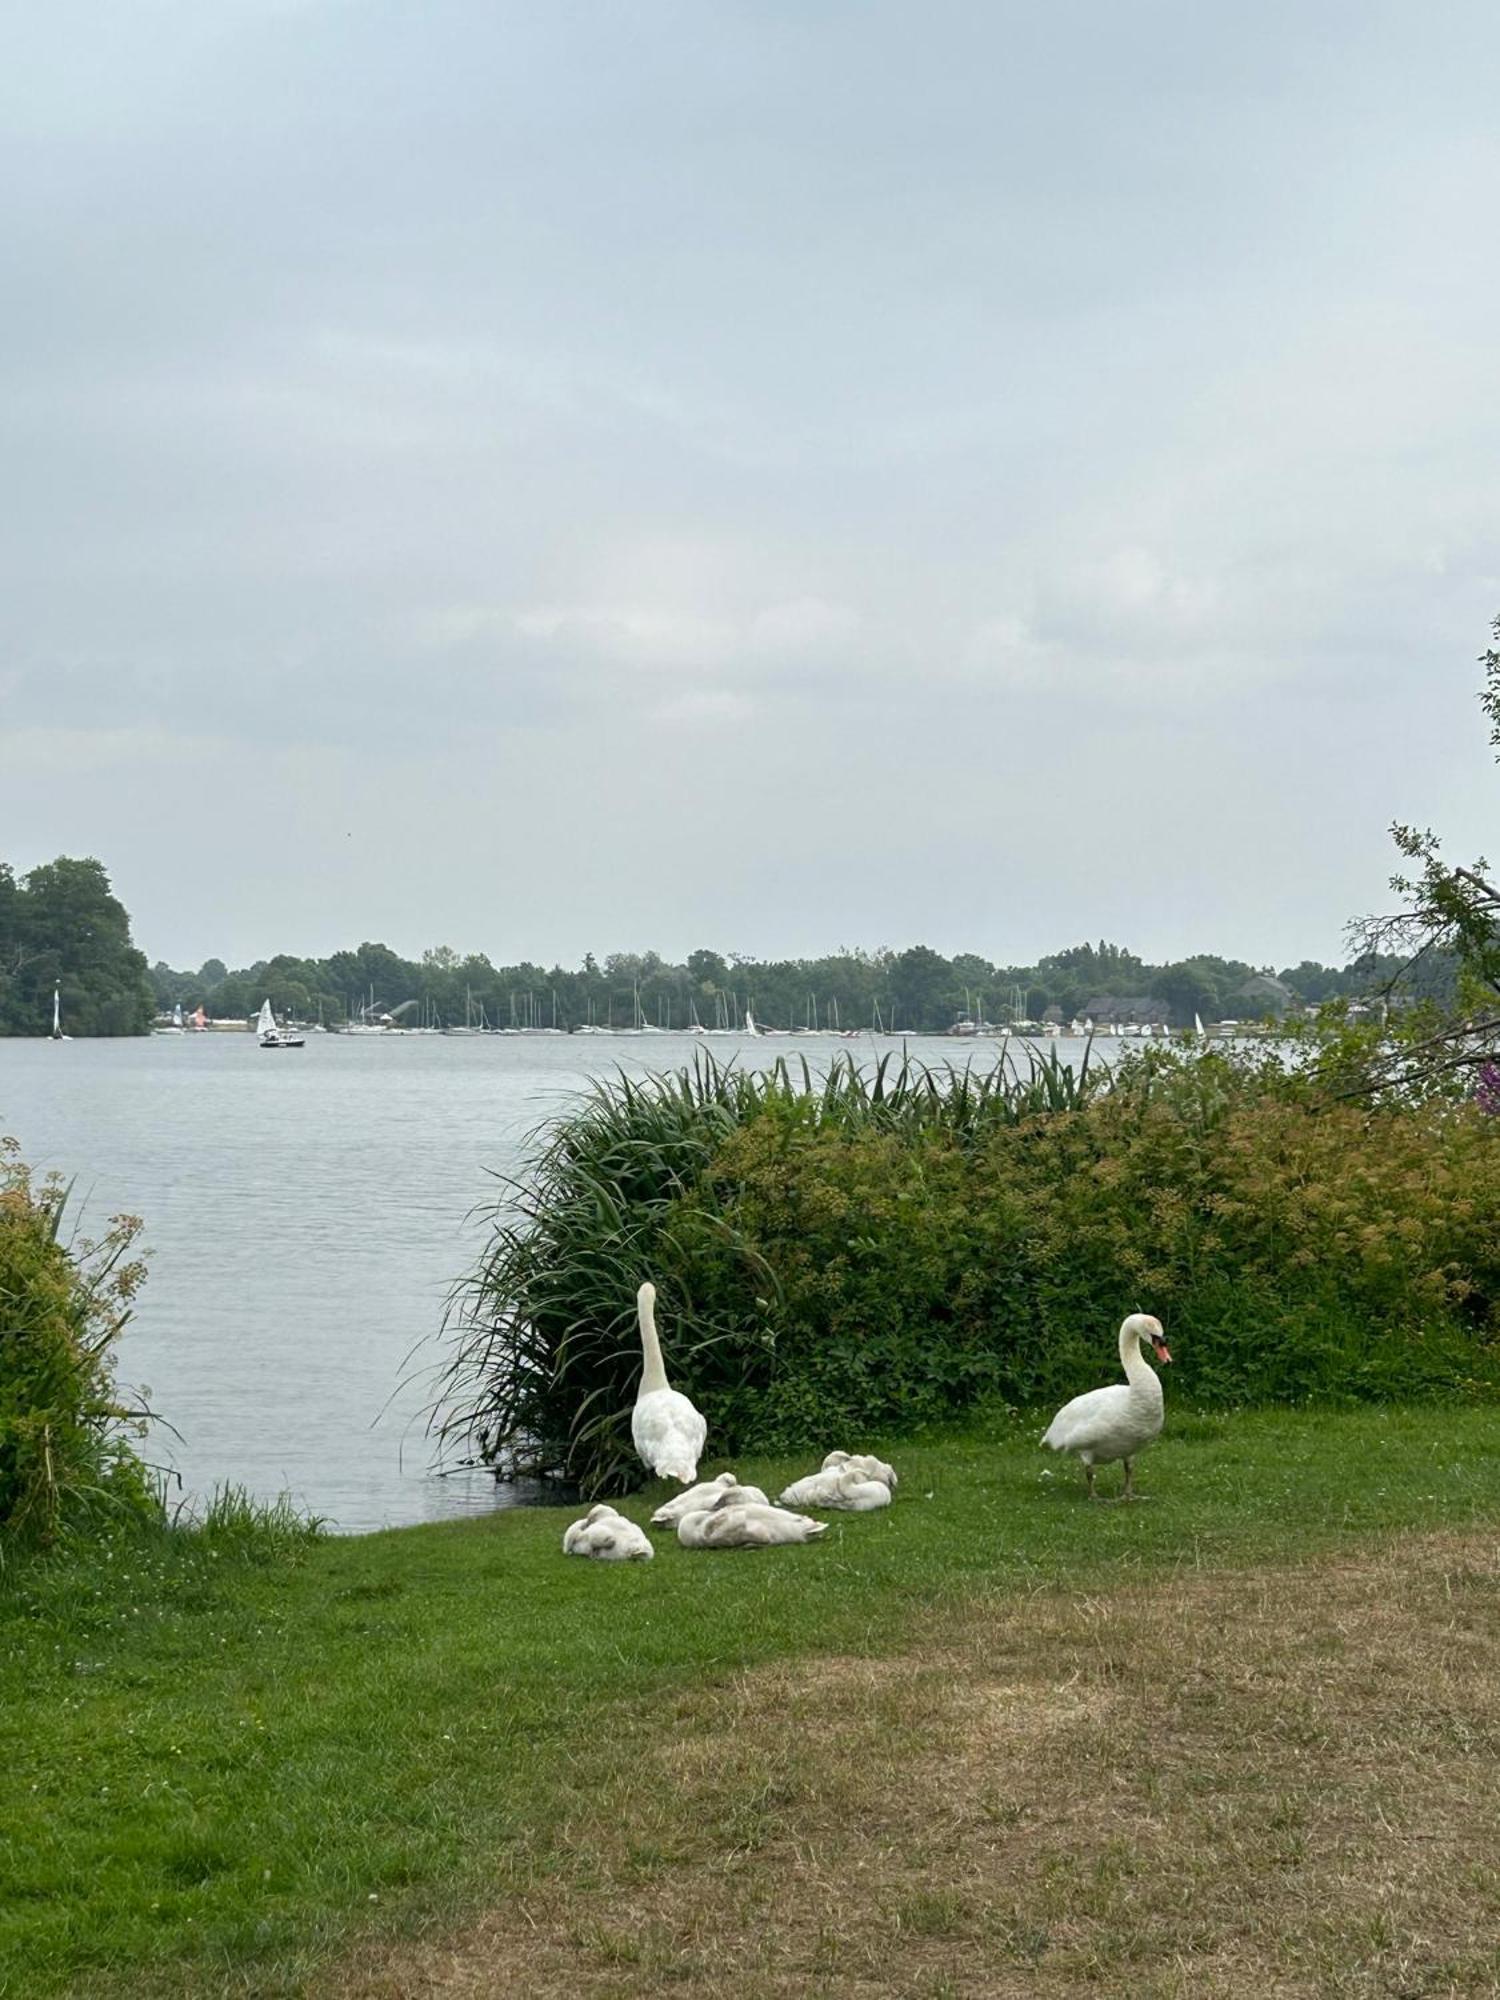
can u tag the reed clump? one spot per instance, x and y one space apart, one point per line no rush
882 1248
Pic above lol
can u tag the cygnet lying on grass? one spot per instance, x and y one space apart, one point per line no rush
745 1526
607 1537
709 1494
843 1487
872 1468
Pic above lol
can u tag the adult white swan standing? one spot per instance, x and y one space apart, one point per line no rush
1121 1420
669 1433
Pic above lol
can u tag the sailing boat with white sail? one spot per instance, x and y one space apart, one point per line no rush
57 1034
272 1037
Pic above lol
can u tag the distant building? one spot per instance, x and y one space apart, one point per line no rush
1263 995
1141 1010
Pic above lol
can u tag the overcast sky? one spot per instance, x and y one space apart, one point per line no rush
772 475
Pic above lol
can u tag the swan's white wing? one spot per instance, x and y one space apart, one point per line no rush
691 1502
745 1527
816 1490
1089 1419
618 1540
872 1468
794 1527
723 1491
669 1434
607 1537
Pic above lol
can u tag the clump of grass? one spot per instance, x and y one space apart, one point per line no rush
234 1523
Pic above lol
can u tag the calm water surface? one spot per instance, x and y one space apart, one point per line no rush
306 1212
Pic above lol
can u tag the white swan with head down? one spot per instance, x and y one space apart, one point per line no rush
607 1537
733 1525
845 1488
865 1463
725 1488
669 1433
1117 1422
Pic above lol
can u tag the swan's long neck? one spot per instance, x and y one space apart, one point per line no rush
1138 1371
653 1371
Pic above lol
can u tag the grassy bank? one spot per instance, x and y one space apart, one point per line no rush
223 1771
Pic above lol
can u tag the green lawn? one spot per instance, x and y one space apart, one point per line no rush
218 1773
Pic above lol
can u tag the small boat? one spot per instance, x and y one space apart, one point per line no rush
57 1034
174 1026
272 1037
198 1021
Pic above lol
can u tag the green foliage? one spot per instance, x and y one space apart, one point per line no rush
63 926
234 1523
65 1453
1446 931
912 992
888 1248
547 1351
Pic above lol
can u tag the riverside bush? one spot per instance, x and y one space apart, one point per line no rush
845 1259
65 1448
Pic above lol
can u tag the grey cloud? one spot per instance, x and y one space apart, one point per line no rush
896 425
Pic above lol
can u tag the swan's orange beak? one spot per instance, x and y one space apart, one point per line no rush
1163 1353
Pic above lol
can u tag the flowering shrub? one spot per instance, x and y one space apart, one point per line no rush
826 1271
64 1437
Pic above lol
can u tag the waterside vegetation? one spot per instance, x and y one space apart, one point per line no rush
63 931
67 1457
895 1245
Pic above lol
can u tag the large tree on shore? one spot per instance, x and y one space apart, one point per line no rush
63 925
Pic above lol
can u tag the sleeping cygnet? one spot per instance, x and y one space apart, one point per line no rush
863 1461
709 1494
607 1537
842 1487
745 1525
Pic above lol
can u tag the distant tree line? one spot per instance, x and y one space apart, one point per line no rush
62 927
62 924
911 991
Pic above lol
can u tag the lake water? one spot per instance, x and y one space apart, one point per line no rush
306 1212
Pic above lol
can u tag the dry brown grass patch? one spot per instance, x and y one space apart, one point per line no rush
1254 1783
